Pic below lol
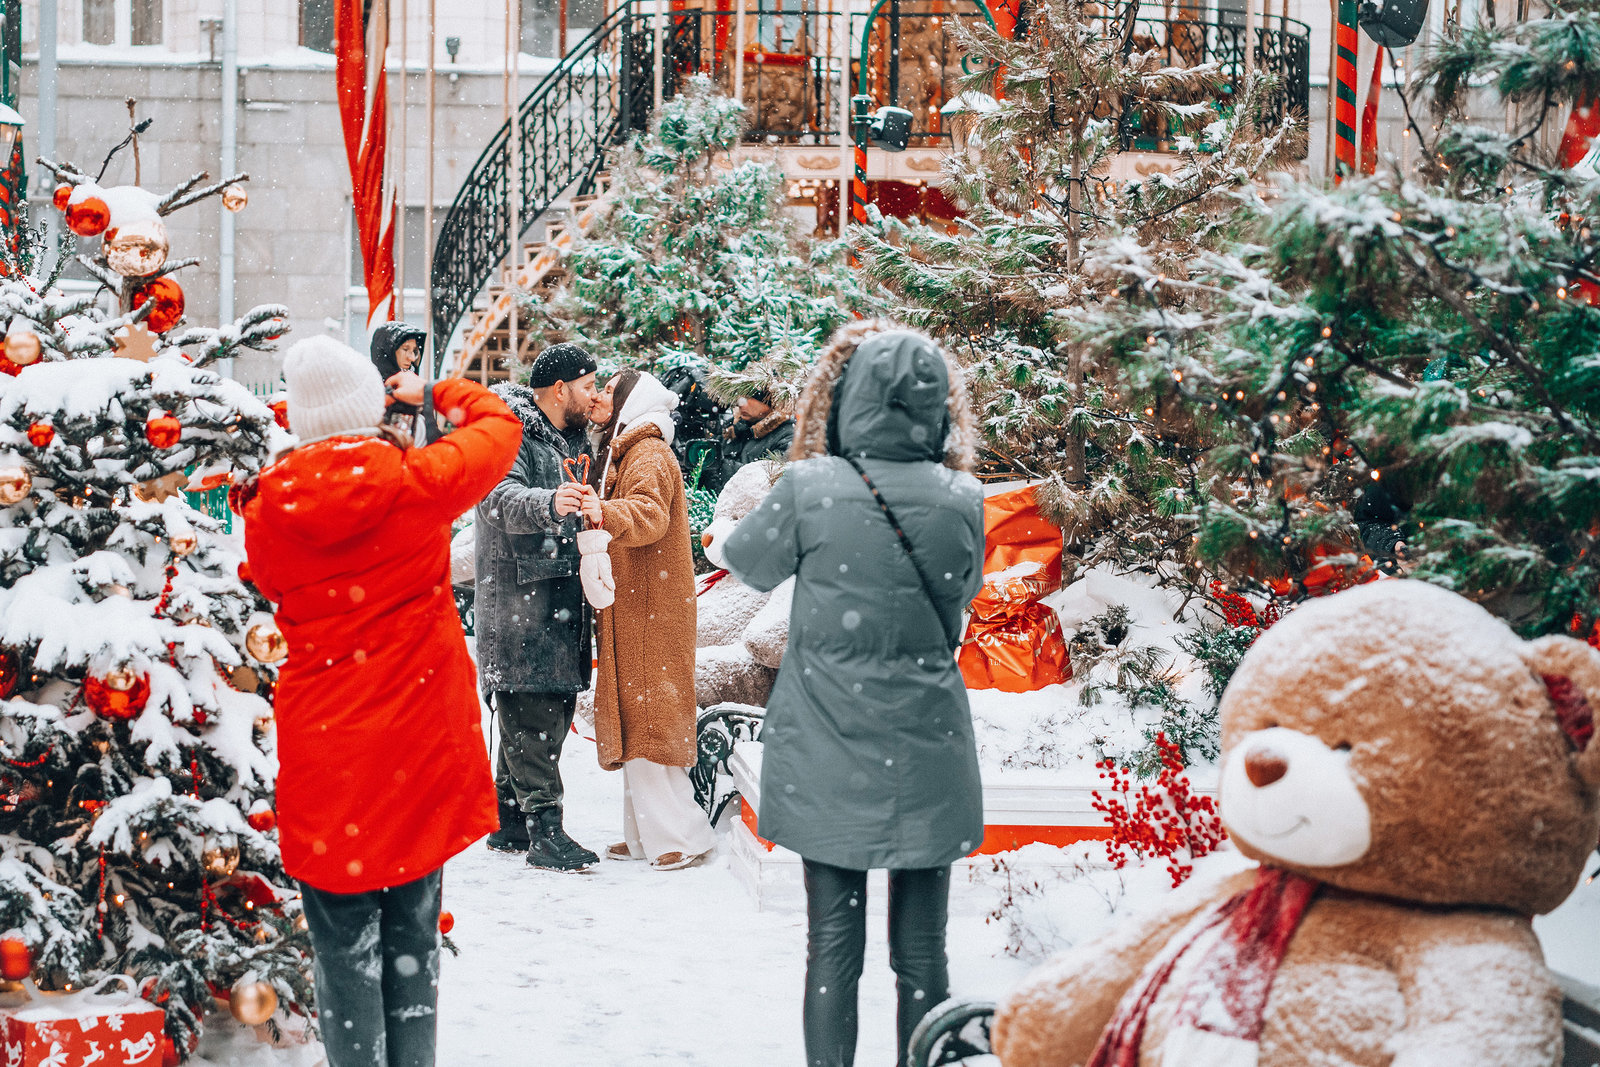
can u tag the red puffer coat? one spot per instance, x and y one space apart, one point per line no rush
383 772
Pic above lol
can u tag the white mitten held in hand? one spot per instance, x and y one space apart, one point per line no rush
594 569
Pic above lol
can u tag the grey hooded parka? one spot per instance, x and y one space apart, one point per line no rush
869 759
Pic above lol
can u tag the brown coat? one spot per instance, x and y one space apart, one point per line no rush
644 686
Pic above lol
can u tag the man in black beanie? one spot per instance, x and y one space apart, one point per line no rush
532 621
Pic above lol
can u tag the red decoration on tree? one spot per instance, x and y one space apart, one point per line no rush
166 298
121 694
163 431
88 217
16 959
10 673
169 1052
59 198
1167 821
244 572
40 434
447 922
280 412
212 481
262 821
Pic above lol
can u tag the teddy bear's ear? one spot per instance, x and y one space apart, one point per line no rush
1570 671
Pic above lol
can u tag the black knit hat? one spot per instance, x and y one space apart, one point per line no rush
564 362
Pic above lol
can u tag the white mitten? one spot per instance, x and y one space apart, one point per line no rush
594 569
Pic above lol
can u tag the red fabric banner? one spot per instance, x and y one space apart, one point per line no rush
1369 117
362 86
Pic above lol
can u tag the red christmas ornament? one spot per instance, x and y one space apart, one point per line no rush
88 217
163 431
8 367
262 821
121 694
10 673
166 299
169 1052
212 481
62 193
447 922
244 572
40 434
280 412
16 959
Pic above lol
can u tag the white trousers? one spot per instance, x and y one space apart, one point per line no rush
659 814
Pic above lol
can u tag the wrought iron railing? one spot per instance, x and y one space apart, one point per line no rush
788 65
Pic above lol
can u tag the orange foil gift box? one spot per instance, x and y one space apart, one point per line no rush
1014 643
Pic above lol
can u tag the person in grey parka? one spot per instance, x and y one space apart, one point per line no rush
869 759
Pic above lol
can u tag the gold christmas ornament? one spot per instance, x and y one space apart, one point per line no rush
252 1003
235 197
121 678
221 856
15 483
137 249
23 346
183 542
266 642
244 679
159 489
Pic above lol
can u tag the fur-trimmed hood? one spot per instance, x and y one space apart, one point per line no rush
877 391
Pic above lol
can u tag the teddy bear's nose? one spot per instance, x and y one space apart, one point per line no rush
1264 766
705 540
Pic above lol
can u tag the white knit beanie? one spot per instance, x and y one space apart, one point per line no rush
333 389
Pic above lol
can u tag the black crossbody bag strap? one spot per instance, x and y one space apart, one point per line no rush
953 640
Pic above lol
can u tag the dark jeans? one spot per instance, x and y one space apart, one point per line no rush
377 972
528 757
836 911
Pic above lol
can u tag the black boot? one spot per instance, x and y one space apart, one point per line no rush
550 847
513 833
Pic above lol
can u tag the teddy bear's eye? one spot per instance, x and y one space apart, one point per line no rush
1343 746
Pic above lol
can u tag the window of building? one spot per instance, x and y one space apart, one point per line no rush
541 23
134 22
316 24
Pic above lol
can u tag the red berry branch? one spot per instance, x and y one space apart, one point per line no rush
1166 820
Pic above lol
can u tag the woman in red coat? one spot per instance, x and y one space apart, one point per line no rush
383 773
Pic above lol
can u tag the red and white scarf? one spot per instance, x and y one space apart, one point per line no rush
1219 1016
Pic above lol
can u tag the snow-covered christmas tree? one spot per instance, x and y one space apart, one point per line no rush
136 660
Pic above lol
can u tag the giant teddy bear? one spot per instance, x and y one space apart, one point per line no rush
740 633
1416 782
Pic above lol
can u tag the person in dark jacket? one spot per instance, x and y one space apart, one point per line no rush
531 620
869 759
396 347
759 431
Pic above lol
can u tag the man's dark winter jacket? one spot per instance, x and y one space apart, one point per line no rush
770 437
532 621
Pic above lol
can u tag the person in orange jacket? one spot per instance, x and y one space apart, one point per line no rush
383 772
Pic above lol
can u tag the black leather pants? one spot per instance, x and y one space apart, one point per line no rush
836 910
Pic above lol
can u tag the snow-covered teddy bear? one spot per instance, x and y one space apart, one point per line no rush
740 633
1416 782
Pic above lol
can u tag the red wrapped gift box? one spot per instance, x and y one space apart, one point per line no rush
1013 642
89 1028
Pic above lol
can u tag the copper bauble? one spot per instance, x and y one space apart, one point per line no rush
235 197
253 1003
62 194
16 959
10 672
183 542
23 346
89 217
221 856
166 299
163 431
137 249
266 642
40 434
15 484
121 694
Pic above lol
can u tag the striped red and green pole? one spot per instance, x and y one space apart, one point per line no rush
861 119
1346 44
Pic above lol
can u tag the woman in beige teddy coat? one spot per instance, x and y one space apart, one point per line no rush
1417 783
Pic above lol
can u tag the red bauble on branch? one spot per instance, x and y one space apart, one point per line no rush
121 694
10 673
40 434
447 922
62 194
16 959
262 821
166 299
88 217
163 431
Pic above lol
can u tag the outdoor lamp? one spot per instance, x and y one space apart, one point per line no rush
961 117
1393 23
891 129
11 124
